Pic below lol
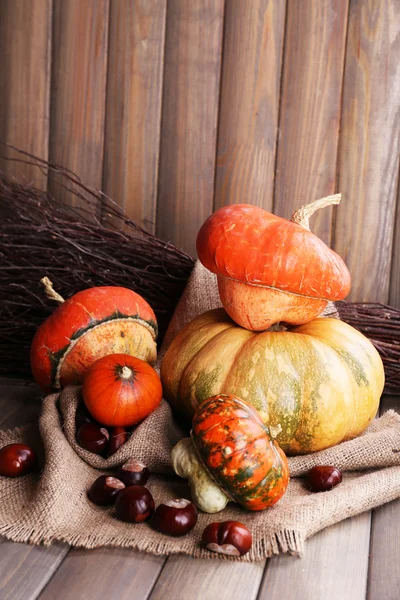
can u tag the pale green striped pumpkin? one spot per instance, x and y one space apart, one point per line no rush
315 385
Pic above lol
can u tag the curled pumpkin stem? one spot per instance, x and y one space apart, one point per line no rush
50 291
302 215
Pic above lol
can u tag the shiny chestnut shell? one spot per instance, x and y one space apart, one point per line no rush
17 460
93 438
118 437
134 472
104 490
175 517
323 478
227 537
134 504
82 416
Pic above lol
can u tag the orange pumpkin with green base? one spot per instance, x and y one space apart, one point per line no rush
92 323
231 456
315 385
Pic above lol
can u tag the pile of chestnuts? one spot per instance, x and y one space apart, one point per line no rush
96 438
134 503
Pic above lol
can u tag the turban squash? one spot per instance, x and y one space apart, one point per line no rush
231 456
314 385
270 269
91 324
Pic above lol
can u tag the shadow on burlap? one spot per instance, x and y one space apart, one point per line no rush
53 506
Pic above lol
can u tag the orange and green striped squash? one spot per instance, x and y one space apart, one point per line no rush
238 452
316 384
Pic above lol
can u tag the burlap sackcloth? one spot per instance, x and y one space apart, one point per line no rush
52 506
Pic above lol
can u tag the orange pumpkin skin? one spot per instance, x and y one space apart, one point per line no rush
258 308
121 390
237 450
91 324
319 383
269 269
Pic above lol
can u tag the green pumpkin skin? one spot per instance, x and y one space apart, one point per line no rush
315 385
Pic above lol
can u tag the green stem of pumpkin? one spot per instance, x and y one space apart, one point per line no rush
50 291
302 215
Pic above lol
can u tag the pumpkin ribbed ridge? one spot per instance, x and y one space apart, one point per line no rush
237 451
318 383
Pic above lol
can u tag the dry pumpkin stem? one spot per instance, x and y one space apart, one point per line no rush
96 243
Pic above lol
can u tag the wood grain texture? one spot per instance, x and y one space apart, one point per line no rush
19 403
133 116
249 104
25 41
189 119
310 108
104 573
79 68
334 566
190 578
369 147
384 567
394 289
24 569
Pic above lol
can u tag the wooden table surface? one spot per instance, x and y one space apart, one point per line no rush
352 560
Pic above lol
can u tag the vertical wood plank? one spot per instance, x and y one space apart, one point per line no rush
112 573
133 115
189 119
369 147
384 569
24 569
394 291
310 107
25 42
249 105
187 577
335 566
80 33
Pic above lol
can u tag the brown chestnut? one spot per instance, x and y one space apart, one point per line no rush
92 437
175 517
227 537
82 416
16 460
134 504
118 437
104 490
133 472
323 478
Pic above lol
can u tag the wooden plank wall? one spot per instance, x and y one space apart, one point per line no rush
176 108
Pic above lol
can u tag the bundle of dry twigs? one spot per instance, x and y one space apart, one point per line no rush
96 243
381 324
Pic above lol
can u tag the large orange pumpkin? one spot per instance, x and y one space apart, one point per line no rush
121 390
237 450
91 324
315 384
270 269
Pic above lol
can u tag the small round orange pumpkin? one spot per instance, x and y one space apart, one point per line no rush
121 390
237 452
91 324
